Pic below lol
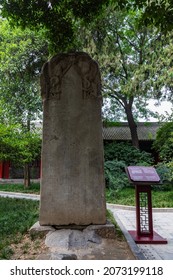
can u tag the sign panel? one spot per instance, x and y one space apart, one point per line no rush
143 174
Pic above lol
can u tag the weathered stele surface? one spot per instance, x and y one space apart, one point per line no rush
72 184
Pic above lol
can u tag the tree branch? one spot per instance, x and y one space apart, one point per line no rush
122 57
120 100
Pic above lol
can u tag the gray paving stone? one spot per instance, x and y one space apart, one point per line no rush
162 224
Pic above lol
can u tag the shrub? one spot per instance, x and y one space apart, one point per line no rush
127 153
170 166
117 157
115 175
165 171
164 142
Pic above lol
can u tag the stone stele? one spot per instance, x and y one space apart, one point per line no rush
72 183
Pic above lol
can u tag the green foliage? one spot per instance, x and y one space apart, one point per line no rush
167 150
16 217
30 147
126 153
8 142
117 157
163 134
155 12
127 52
59 19
170 166
22 54
165 171
164 142
114 174
17 145
135 60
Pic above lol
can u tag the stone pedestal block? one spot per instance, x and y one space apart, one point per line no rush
72 183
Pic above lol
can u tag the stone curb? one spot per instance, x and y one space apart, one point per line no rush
19 195
16 181
133 208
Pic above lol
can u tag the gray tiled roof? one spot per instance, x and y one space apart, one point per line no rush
146 131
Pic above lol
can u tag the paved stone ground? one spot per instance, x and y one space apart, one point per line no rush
162 224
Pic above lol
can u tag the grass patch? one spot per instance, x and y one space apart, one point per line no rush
126 196
162 199
110 217
34 188
16 217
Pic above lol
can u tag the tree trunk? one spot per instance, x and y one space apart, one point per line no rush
27 180
132 124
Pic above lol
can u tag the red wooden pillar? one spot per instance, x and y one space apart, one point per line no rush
144 219
4 169
1 169
6 172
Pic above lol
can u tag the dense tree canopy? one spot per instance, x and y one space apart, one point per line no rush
22 54
61 19
58 18
157 12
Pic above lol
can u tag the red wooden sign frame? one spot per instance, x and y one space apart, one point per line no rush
143 177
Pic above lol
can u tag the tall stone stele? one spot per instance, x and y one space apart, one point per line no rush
72 184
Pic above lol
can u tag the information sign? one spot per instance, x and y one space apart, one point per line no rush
143 174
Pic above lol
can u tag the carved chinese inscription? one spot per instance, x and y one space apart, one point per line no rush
58 66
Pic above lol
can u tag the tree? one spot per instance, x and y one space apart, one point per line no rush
19 148
162 73
30 150
126 53
22 54
160 14
58 18
21 57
